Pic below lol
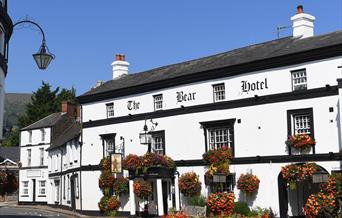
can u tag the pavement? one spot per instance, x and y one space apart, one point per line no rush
13 210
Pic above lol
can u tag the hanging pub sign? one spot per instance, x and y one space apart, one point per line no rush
133 105
116 162
247 86
181 96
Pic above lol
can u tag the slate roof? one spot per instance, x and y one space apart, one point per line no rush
47 121
64 128
12 153
267 50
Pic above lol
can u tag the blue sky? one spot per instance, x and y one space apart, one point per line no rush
86 35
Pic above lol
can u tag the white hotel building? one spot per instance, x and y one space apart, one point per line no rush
250 98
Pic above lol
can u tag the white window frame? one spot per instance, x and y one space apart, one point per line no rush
110 110
30 136
219 137
29 157
25 189
301 123
76 186
41 153
43 134
158 102
41 187
299 80
158 142
219 92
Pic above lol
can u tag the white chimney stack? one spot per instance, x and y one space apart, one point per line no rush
303 24
120 66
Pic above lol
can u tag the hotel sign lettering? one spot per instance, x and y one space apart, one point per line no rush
133 105
247 86
181 96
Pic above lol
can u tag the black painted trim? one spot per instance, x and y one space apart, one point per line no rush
3 64
77 169
280 61
33 167
267 99
32 203
34 145
268 159
339 83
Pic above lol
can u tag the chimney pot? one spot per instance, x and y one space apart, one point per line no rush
119 66
300 9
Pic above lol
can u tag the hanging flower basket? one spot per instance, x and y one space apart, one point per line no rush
142 189
109 205
221 203
294 173
302 142
105 164
248 183
120 186
327 197
218 160
150 163
106 181
189 184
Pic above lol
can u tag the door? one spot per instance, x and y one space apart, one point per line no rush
72 183
34 190
165 196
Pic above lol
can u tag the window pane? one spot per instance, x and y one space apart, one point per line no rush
299 81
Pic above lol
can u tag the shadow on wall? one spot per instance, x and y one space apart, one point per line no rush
248 198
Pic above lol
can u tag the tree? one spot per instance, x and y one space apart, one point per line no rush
44 102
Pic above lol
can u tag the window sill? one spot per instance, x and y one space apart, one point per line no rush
24 196
41 196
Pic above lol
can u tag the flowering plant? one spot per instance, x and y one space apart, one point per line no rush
103 204
142 189
120 185
221 203
218 160
294 173
131 162
248 183
106 179
105 163
113 203
325 198
302 142
189 184
179 214
157 160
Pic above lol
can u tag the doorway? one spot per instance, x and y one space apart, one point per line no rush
72 183
165 189
34 190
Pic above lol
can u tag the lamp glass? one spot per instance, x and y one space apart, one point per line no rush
43 60
145 138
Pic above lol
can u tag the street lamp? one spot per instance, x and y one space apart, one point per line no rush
43 57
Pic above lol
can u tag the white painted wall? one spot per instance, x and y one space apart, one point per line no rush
319 73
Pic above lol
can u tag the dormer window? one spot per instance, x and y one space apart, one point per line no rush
110 110
299 81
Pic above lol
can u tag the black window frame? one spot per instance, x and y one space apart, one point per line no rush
219 84
290 126
158 133
107 111
105 138
306 76
228 123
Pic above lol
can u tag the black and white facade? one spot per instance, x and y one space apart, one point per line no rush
49 148
5 34
250 99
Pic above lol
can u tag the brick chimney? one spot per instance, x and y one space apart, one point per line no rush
302 23
68 108
120 66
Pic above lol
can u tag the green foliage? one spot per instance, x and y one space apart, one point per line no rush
241 208
44 102
12 139
197 201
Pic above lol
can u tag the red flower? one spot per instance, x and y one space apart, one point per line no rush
248 183
189 184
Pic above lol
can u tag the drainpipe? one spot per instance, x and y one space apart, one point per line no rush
81 145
